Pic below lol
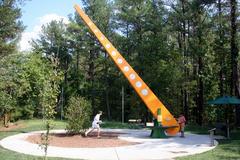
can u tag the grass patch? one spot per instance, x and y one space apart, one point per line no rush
37 125
226 149
27 126
31 125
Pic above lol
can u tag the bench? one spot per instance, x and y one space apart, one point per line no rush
134 121
149 124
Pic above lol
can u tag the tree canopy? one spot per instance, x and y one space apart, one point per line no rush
187 52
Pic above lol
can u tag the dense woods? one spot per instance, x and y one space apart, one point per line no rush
187 51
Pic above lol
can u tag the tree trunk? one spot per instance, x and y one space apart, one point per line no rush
108 106
234 57
185 57
200 92
6 119
91 78
222 57
77 69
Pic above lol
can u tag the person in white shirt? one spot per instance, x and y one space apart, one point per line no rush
95 124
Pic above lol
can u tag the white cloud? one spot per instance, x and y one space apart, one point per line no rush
34 34
49 17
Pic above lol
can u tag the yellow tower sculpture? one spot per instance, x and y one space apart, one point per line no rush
149 98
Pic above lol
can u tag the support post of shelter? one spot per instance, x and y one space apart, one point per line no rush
211 136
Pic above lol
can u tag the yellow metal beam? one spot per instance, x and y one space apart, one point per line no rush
145 93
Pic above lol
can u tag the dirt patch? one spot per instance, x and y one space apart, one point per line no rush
107 139
12 126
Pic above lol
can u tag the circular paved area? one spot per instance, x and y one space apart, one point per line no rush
149 148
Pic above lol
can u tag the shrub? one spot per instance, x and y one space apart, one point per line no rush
78 115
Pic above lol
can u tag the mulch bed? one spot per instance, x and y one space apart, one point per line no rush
107 139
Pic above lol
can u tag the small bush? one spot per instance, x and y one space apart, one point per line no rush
78 115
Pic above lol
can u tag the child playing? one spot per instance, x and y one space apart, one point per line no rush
95 125
182 121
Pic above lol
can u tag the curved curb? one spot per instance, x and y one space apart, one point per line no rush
148 149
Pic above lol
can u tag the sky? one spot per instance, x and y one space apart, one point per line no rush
36 13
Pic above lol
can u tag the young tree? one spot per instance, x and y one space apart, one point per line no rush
48 98
53 44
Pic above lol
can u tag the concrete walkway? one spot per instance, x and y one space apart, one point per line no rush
149 149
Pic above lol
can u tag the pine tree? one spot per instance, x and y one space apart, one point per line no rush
10 26
92 60
235 90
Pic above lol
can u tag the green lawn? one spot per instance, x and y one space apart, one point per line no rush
28 125
226 150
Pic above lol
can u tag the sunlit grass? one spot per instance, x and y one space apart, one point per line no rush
26 126
226 150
